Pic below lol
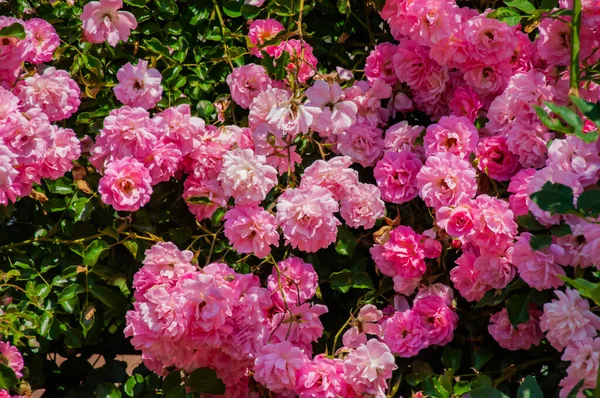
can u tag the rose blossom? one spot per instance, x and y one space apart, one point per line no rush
519 201
538 268
125 184
324 378
251 229
246 176
246 82
452 134
293 281
44 40
445 180
362 142
334 174
466 278
210 189
495 160
401 136
365 323
277 364
379 64
437 317
396 176
456 221
138 85
54 92
362 206
368 367
520 338
300 325
574 155
306 216
12 358
465 102
102 21
405 334
401 254
331 114
263 30
568 319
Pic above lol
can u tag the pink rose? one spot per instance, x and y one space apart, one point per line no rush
125 184
138 85
102 21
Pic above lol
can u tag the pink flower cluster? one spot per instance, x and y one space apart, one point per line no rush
31 148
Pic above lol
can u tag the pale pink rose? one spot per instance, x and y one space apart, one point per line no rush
102 21
466 278
288 116
436 20
556 176
456 221
379 64
368 97
331 115
13 51
368 367
427 97
300 325
436 290
437 317
335 175
263 30
264 102
362 206
367 322
528 141
163 162
276 366
44 40
495 160
63 149
553 43
279 154
181 128
494 224
208 190
584 357
401 254
398 15
490 40
520 338
519 201
247 82
138 85
126 132
400 102
363 143
402 136
452 134
54 92
323 377
406 286
246 176
9 176
344 74
9 112
446 180
293 281
591 249
405 334
396 176
125 185
306 216
568 319
539 268
465 102
301 54
574 155
494 270
251 229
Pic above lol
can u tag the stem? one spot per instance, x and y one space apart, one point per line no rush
575 28
220 18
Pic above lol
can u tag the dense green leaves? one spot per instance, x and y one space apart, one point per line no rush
529 388
555 198
205 380
15 30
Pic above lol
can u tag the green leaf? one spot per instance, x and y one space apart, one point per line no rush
171 381
86 319
555 198
549 4
93 251
480 357
522 5
575 390
8 378
136 3
205 380
82 209
566 114
561 230
420 371
451 358
131 246
530 389
198 200
177 392
341 280
233 9
105 295
346 242
129 386
592 112
540 242
586 288
218 216
518 309
528 221
15 30
550 122
589 203
506 15
107 390
461 388
344 6
486 392
250 12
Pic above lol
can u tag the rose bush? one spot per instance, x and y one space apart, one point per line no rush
300 198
